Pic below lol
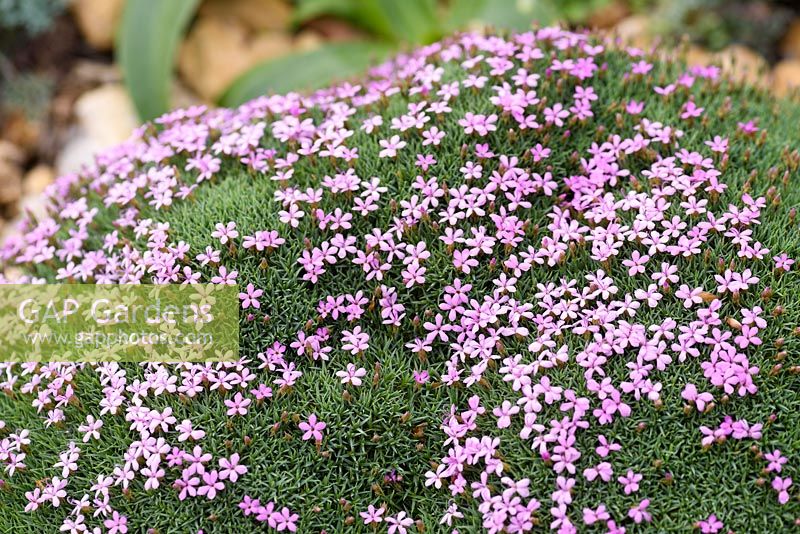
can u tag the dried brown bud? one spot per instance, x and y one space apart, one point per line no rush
733 323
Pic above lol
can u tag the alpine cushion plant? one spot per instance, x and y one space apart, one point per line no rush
507 282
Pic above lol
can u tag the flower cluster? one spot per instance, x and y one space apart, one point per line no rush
439 200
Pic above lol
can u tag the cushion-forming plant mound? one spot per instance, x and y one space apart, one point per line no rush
506 282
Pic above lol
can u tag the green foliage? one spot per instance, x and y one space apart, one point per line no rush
32 16
147 42
368 435
310 70
151 31
511 14
411 21
424 21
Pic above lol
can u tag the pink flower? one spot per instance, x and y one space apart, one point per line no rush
700 400
211 484
691 110
634 108
639 512
91 428
718 144
352 375
776 461
712 525
783 262
231 469
421 377
250 297
116 524
248 505
355 342
630 481
479 124
504 413
782 485
748 128
313 428
399 523
556 114
238 405
391 146
285 520
606 447
642 67
187 431
372 515
591 516
603 470
225 232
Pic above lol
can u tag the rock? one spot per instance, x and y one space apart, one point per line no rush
634 30
790 44
33 185
338 30
77 152
22 130
219 49
743 65
786 77
11 272
107 114
105 117
698 56
37 179
35 205
307 40
11 159
98 20
257 15
181 96
608 15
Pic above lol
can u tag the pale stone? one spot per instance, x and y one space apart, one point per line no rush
698 56
219 49
257 15
105 117
107 114
307 41
35 205
742 64
181 97
21 130
634 30
98 20
37 179
77 152
11 158
786 77
608 15
11 272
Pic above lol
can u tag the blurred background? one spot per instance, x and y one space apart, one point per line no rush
78 75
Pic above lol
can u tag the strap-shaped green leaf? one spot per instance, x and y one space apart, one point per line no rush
504 14
147 40
399 21
305 71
